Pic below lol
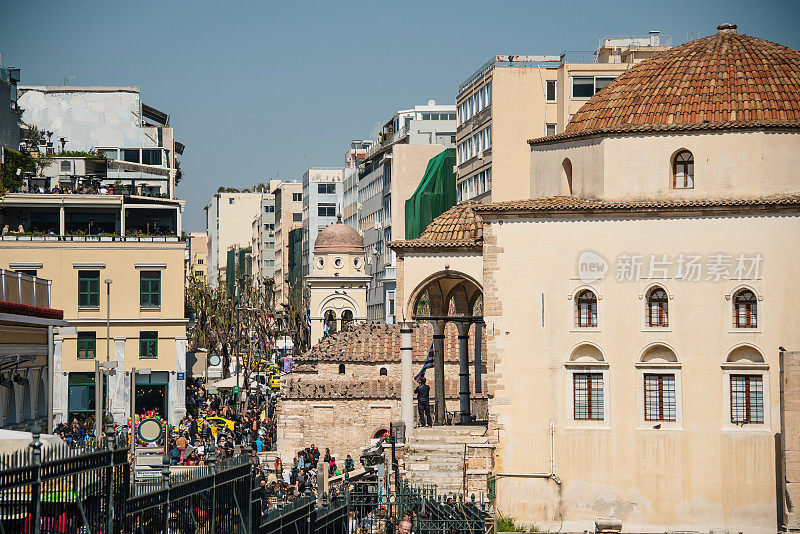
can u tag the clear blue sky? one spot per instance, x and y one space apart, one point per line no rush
259 89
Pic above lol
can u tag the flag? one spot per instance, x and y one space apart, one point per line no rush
308 317
427 365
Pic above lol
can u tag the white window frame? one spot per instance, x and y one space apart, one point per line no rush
644 310
659 368
738 368
555 83
570 422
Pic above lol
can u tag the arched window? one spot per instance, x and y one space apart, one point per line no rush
330 322
347 319
586 309
657 307
745 308
383 372
341 368
566 177
683 170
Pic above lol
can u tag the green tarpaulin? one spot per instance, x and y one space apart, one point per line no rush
435 194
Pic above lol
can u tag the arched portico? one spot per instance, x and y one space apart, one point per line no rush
443 297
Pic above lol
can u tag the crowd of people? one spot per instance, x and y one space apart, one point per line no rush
75 433
67 190
279 485
214 424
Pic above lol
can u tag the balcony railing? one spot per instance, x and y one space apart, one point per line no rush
397 136
578 56
90 238
21 288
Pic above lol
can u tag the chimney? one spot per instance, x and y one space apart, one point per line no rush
726 27
654 37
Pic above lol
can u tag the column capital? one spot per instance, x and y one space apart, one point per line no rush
463 328
438 327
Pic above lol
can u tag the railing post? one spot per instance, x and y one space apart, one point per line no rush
108 424
248 449
211 460
36 490
165 486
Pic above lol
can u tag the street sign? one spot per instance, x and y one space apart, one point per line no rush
235 390
181 376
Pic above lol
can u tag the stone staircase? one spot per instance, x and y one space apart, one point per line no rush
435 455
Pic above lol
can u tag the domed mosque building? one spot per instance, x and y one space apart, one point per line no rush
637 305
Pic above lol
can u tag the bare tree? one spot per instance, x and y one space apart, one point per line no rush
245 322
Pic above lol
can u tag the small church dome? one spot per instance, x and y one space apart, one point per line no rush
339 238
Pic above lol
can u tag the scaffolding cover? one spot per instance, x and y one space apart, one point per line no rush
435 194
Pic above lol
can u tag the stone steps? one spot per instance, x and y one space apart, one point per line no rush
436 455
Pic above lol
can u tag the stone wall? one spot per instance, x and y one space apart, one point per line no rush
790 440
345 426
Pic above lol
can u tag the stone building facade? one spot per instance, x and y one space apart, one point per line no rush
626 385
346 391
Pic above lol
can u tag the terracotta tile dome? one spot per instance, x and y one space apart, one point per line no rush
725 80
339 237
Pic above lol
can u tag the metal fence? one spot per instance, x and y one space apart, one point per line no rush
213 499
89 489
63 489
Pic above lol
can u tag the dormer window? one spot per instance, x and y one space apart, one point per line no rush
683 170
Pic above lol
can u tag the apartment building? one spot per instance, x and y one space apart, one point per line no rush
355 155
322 202
262 241
511 99
117 266
10 112
229 223
136 139
391 170
288 217
198 256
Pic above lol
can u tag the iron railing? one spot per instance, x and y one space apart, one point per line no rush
56 488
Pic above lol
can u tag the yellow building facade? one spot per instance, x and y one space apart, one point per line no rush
123 298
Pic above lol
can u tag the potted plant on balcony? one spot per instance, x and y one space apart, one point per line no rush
77 235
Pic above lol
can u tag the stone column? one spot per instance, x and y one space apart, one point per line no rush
438 369
118 385
478 350
61 225
60 384
177 388
406 378
463 371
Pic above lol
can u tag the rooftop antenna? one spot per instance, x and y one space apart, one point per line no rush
70 77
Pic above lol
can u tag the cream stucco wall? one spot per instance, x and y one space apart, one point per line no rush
338 284
519 112
415 269
699 473
754 163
